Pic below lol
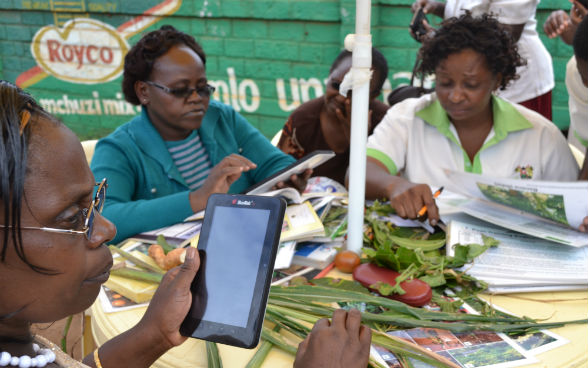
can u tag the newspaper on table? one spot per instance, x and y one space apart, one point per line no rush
545 209
520 263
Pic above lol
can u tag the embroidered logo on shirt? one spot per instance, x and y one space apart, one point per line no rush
525 172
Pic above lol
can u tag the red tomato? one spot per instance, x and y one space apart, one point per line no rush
346 261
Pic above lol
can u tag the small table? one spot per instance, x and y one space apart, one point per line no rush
547 306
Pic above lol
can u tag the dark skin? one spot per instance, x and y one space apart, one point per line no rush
341 343
175 118
464 88
559 23
335 117
438 8
79 265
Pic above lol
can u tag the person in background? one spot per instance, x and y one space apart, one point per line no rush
463 125
54 258
324 123
580 44
164 164
533 88
559 23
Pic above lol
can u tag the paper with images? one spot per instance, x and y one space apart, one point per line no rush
548 210
519 260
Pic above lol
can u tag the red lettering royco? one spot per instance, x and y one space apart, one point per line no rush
83 54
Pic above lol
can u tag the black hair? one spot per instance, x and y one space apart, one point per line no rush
141 57
16 107
379 64
484 34
581 40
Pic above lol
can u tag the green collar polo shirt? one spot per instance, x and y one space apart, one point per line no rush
417 140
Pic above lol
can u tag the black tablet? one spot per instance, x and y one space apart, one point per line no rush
237 247
309 161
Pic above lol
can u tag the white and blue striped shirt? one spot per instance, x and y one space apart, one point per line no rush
191 159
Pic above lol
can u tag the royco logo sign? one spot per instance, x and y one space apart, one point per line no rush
83 51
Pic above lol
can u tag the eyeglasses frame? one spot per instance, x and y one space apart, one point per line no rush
189 91
97 204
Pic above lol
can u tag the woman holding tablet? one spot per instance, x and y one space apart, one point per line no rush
53 256
164 163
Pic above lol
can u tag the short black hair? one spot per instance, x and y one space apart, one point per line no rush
581 40
141 57
18 113
484 34
379 64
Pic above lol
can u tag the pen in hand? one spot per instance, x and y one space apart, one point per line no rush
435 195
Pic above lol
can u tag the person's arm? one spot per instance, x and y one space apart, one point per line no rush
137 201
159 329
558 23
405 197
342 343
258 149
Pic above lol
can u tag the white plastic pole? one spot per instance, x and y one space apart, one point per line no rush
361 64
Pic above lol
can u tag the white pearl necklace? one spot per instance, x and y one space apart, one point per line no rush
43 357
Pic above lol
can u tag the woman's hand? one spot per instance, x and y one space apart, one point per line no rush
171 302
342 343
429 7
220 179
297 182
556 23
408 198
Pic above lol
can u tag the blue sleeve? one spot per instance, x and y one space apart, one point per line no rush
130 205
257 148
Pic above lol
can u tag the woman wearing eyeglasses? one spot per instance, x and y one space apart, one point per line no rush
53 257
324 123
184 146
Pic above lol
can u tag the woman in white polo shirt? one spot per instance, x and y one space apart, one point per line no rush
462 125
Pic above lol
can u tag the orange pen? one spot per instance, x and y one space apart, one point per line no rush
435 195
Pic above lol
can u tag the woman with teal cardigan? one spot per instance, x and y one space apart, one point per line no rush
163 165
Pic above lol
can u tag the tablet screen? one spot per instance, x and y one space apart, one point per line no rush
236 242
237 247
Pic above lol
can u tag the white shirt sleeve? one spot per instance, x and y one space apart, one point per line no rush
513 11
390 137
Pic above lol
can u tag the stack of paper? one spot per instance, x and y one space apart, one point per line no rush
301 222
520 263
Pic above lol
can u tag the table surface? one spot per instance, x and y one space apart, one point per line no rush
547 306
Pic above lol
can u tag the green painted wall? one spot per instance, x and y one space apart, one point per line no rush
264 56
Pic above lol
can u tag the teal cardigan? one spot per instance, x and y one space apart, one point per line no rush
145 189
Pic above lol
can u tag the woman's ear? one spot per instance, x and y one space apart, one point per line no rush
497 82
142 92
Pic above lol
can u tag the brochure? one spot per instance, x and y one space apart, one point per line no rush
520 262
301 222
178 235
317 255
114 302
284 255
544 209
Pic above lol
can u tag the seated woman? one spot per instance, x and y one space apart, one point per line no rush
462 125
53 257
324 123
164 163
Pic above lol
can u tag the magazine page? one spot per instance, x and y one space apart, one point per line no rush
519 259
565 203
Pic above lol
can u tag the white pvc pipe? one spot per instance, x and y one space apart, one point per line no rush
361 64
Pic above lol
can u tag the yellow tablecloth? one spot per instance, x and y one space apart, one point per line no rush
551 306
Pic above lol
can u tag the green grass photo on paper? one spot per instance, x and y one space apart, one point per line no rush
549 206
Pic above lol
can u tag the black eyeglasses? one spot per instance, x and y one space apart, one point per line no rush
96 205
185 92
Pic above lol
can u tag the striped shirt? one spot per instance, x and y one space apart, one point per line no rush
191 159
